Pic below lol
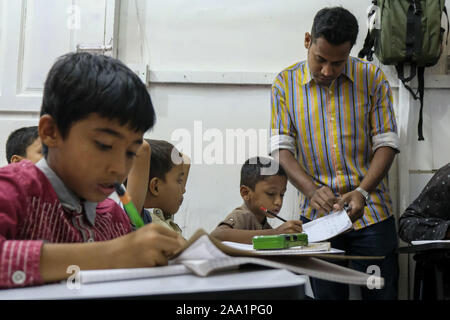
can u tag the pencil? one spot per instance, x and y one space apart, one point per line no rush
130 209
273 214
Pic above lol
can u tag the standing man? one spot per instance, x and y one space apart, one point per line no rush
334 131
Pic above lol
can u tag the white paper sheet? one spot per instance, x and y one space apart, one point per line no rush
419 242
328 226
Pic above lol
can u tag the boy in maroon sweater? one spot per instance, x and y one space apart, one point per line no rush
56 213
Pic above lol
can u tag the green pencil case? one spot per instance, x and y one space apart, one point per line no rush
280 241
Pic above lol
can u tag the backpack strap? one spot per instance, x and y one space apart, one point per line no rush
413 41
401 75
421 89
367 50
448 24
416 95
414 47
369 42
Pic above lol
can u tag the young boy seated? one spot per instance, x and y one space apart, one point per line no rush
263 184
24 143
56 213
163 191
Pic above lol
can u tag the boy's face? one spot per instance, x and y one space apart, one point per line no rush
268 193
34 151
170 191
95 153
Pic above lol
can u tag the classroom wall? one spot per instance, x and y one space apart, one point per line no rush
210 65
190 46
213 62
201 40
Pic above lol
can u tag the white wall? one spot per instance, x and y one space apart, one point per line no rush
203 40
190 44
240 46
213 61
32 35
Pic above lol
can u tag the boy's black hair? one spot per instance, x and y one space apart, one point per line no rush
19 140
161 160
337 25
251 171
79 84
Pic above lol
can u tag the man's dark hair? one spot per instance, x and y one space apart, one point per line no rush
161 160
337 25
19 140
80 84
251 171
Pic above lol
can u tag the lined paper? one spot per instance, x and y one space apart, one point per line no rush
91 276
328 226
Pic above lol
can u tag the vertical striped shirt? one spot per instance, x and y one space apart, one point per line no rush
335 131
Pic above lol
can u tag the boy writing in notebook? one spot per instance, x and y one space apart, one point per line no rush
162 193
24 143
56 213
263 184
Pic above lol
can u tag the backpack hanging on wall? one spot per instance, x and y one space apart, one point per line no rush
406 32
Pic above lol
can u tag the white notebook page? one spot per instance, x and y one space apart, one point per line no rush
328 226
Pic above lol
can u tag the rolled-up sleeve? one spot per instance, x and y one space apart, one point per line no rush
388 139
283 133
382 117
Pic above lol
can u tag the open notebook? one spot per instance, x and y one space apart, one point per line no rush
204 255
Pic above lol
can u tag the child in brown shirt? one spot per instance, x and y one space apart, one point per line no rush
263 184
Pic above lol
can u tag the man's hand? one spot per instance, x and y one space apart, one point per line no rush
324 200
356 202
291 226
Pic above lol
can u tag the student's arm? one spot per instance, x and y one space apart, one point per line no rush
226 233
321 198
379 167
149 246
137 182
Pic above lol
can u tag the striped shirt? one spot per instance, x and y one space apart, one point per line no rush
335 131
32 212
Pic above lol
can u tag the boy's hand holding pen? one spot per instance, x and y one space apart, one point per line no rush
291 226
136 219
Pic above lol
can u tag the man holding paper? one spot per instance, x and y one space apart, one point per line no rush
334 113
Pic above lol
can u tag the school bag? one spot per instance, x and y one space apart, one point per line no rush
406 32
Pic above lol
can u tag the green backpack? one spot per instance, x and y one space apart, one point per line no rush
406 32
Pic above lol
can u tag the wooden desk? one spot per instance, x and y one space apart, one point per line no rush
240 284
